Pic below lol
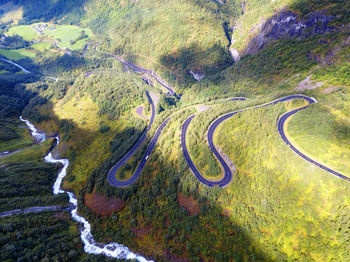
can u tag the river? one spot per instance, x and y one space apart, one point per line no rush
112 249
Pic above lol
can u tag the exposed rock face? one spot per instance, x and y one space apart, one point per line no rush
287 24
234 54
197 75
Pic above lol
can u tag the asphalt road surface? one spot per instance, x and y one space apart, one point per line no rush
138 69
227 171
112 173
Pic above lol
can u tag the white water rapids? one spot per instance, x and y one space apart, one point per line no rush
90 245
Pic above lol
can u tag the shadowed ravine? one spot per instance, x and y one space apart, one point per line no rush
90 245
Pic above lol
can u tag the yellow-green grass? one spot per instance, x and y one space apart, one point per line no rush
79 45
171 31
3 71
285 203
25 31
248 24
89 145
320 137
42 46
196 138
17 54
83 113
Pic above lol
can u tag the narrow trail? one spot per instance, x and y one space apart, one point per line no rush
112 249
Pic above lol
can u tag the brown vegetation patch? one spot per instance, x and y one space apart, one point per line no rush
103 206
226 213
141 232
188 203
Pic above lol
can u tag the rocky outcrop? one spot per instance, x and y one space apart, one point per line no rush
287 24
234 54
197 75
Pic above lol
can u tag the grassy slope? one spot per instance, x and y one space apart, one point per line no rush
102 99
149 42
13 135
287 204
66 33
27 32
27 181
17 54
42 46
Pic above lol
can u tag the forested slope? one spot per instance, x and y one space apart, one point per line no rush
277 207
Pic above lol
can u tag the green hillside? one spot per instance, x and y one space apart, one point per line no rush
278 206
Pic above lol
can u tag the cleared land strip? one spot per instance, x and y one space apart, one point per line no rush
33 210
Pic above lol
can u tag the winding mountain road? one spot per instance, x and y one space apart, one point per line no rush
112 173
111 176
227 171
156 77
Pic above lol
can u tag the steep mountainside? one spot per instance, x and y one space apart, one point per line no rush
133 88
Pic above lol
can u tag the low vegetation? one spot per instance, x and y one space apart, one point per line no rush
278 206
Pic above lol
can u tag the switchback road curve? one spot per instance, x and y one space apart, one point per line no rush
111 176
112 173
138 69
227 171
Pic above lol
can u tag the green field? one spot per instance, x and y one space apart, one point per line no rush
26 31
17 54
66 33
42 46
